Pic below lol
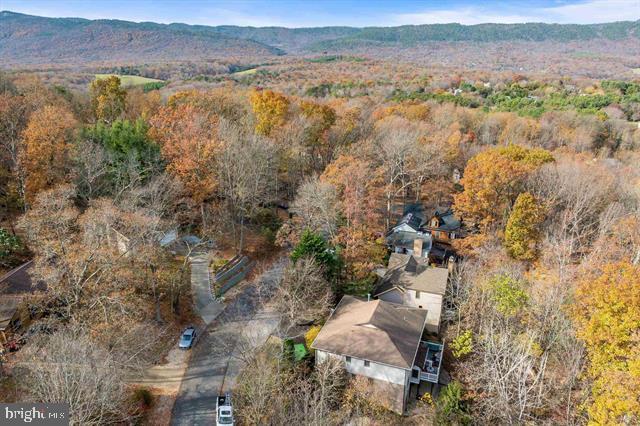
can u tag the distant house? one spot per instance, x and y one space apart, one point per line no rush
408 235
14 286
444 226
412 282
417 236
378 340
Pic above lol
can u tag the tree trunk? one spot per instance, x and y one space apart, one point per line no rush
204 219
156 293
241 246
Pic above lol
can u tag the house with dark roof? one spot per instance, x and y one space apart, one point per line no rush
379 340
444 226
418 235
411 281
408 236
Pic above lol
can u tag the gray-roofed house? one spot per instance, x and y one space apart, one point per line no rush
444 226
411 281
378 340
408 235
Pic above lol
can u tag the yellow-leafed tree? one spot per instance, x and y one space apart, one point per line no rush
270 109
108 99
522 234
607 316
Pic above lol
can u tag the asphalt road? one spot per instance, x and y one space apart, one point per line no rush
244 323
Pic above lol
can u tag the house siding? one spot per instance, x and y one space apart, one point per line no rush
383 373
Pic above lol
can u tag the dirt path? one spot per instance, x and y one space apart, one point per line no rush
246 322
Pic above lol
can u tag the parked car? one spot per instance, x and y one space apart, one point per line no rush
188 338
224 411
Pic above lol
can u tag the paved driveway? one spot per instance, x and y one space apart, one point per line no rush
206 306
245 323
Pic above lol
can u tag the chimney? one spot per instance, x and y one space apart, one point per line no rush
417 247
368 297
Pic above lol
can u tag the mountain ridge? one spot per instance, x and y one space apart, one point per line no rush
29 39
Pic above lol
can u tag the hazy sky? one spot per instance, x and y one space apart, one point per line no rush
299 13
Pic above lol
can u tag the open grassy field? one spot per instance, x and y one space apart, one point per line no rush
245 72
130 80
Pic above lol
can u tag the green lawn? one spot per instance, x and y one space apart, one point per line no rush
245 72
130 80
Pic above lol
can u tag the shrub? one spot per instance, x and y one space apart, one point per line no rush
450 409
217 264
143 396
311 335
508 294
9 244
463 344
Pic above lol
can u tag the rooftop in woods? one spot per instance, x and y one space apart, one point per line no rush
374 330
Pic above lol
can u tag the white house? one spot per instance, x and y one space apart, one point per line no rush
407 236
410 281
378 340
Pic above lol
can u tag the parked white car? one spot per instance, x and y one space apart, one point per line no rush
224 411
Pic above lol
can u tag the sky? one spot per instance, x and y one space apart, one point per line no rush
357 13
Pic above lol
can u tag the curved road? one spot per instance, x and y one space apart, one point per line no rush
244 324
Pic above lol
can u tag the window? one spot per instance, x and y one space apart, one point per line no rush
420 306
417 295
348 359
367 363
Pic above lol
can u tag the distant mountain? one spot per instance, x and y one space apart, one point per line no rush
412 35
26 39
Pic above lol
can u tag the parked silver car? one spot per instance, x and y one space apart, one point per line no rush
188 338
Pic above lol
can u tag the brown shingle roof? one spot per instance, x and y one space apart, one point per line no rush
377 331
407 272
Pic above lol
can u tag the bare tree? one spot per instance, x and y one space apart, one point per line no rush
512 373
303 295
270 390
92 169
396 143
247 168
316 204
68 367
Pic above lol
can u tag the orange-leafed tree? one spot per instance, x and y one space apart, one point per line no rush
46 148
270 109
189 142
493 180
356 187
321 118
362 250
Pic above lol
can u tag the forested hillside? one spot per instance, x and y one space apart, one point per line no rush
595 50
33 40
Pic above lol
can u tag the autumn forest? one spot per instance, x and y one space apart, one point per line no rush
307 162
